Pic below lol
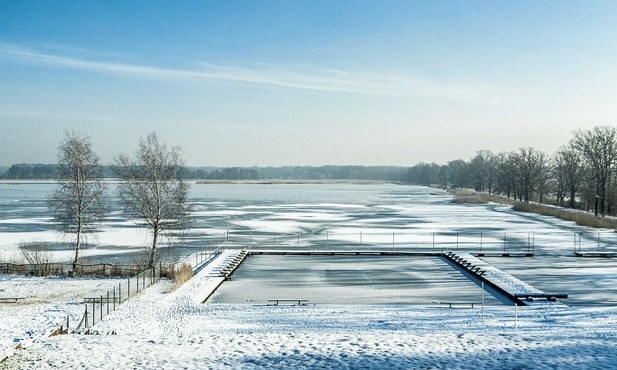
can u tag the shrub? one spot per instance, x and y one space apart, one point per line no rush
38 255
580 217
182 274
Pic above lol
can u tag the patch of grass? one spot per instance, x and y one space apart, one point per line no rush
462 196
580 217
181 275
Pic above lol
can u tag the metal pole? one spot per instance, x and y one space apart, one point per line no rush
108 302
393 241
533 243
505 242
457 241
86 316
360 237
515 318
483 301
101 308
114 298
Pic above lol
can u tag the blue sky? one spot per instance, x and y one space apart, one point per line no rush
242 83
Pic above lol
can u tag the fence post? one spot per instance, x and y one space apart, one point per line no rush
93 311
457 240
114 298
86 317
128 293
143 280
480 241
505 242
108 302
515 318
101 308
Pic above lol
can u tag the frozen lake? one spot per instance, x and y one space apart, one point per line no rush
341 217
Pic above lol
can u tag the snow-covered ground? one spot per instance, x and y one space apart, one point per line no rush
158 329
46 304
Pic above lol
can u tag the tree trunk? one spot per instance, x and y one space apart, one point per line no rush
77 248
572 198
152 259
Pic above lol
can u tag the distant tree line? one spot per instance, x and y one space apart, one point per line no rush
582 174
25 171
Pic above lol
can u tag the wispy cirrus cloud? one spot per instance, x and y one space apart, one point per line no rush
318 80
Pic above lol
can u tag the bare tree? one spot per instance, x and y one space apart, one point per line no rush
78 203
530 167
153 190
598 148
568 173
482 170
459 173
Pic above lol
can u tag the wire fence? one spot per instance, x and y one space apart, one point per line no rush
422 241
476 242
603 242
96 308
53 268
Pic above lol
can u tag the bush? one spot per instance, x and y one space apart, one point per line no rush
39 257
462 196
580 217
182 274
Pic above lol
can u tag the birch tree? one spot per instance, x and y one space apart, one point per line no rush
153 190
78 204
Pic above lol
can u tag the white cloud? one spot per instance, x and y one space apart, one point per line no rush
320 80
